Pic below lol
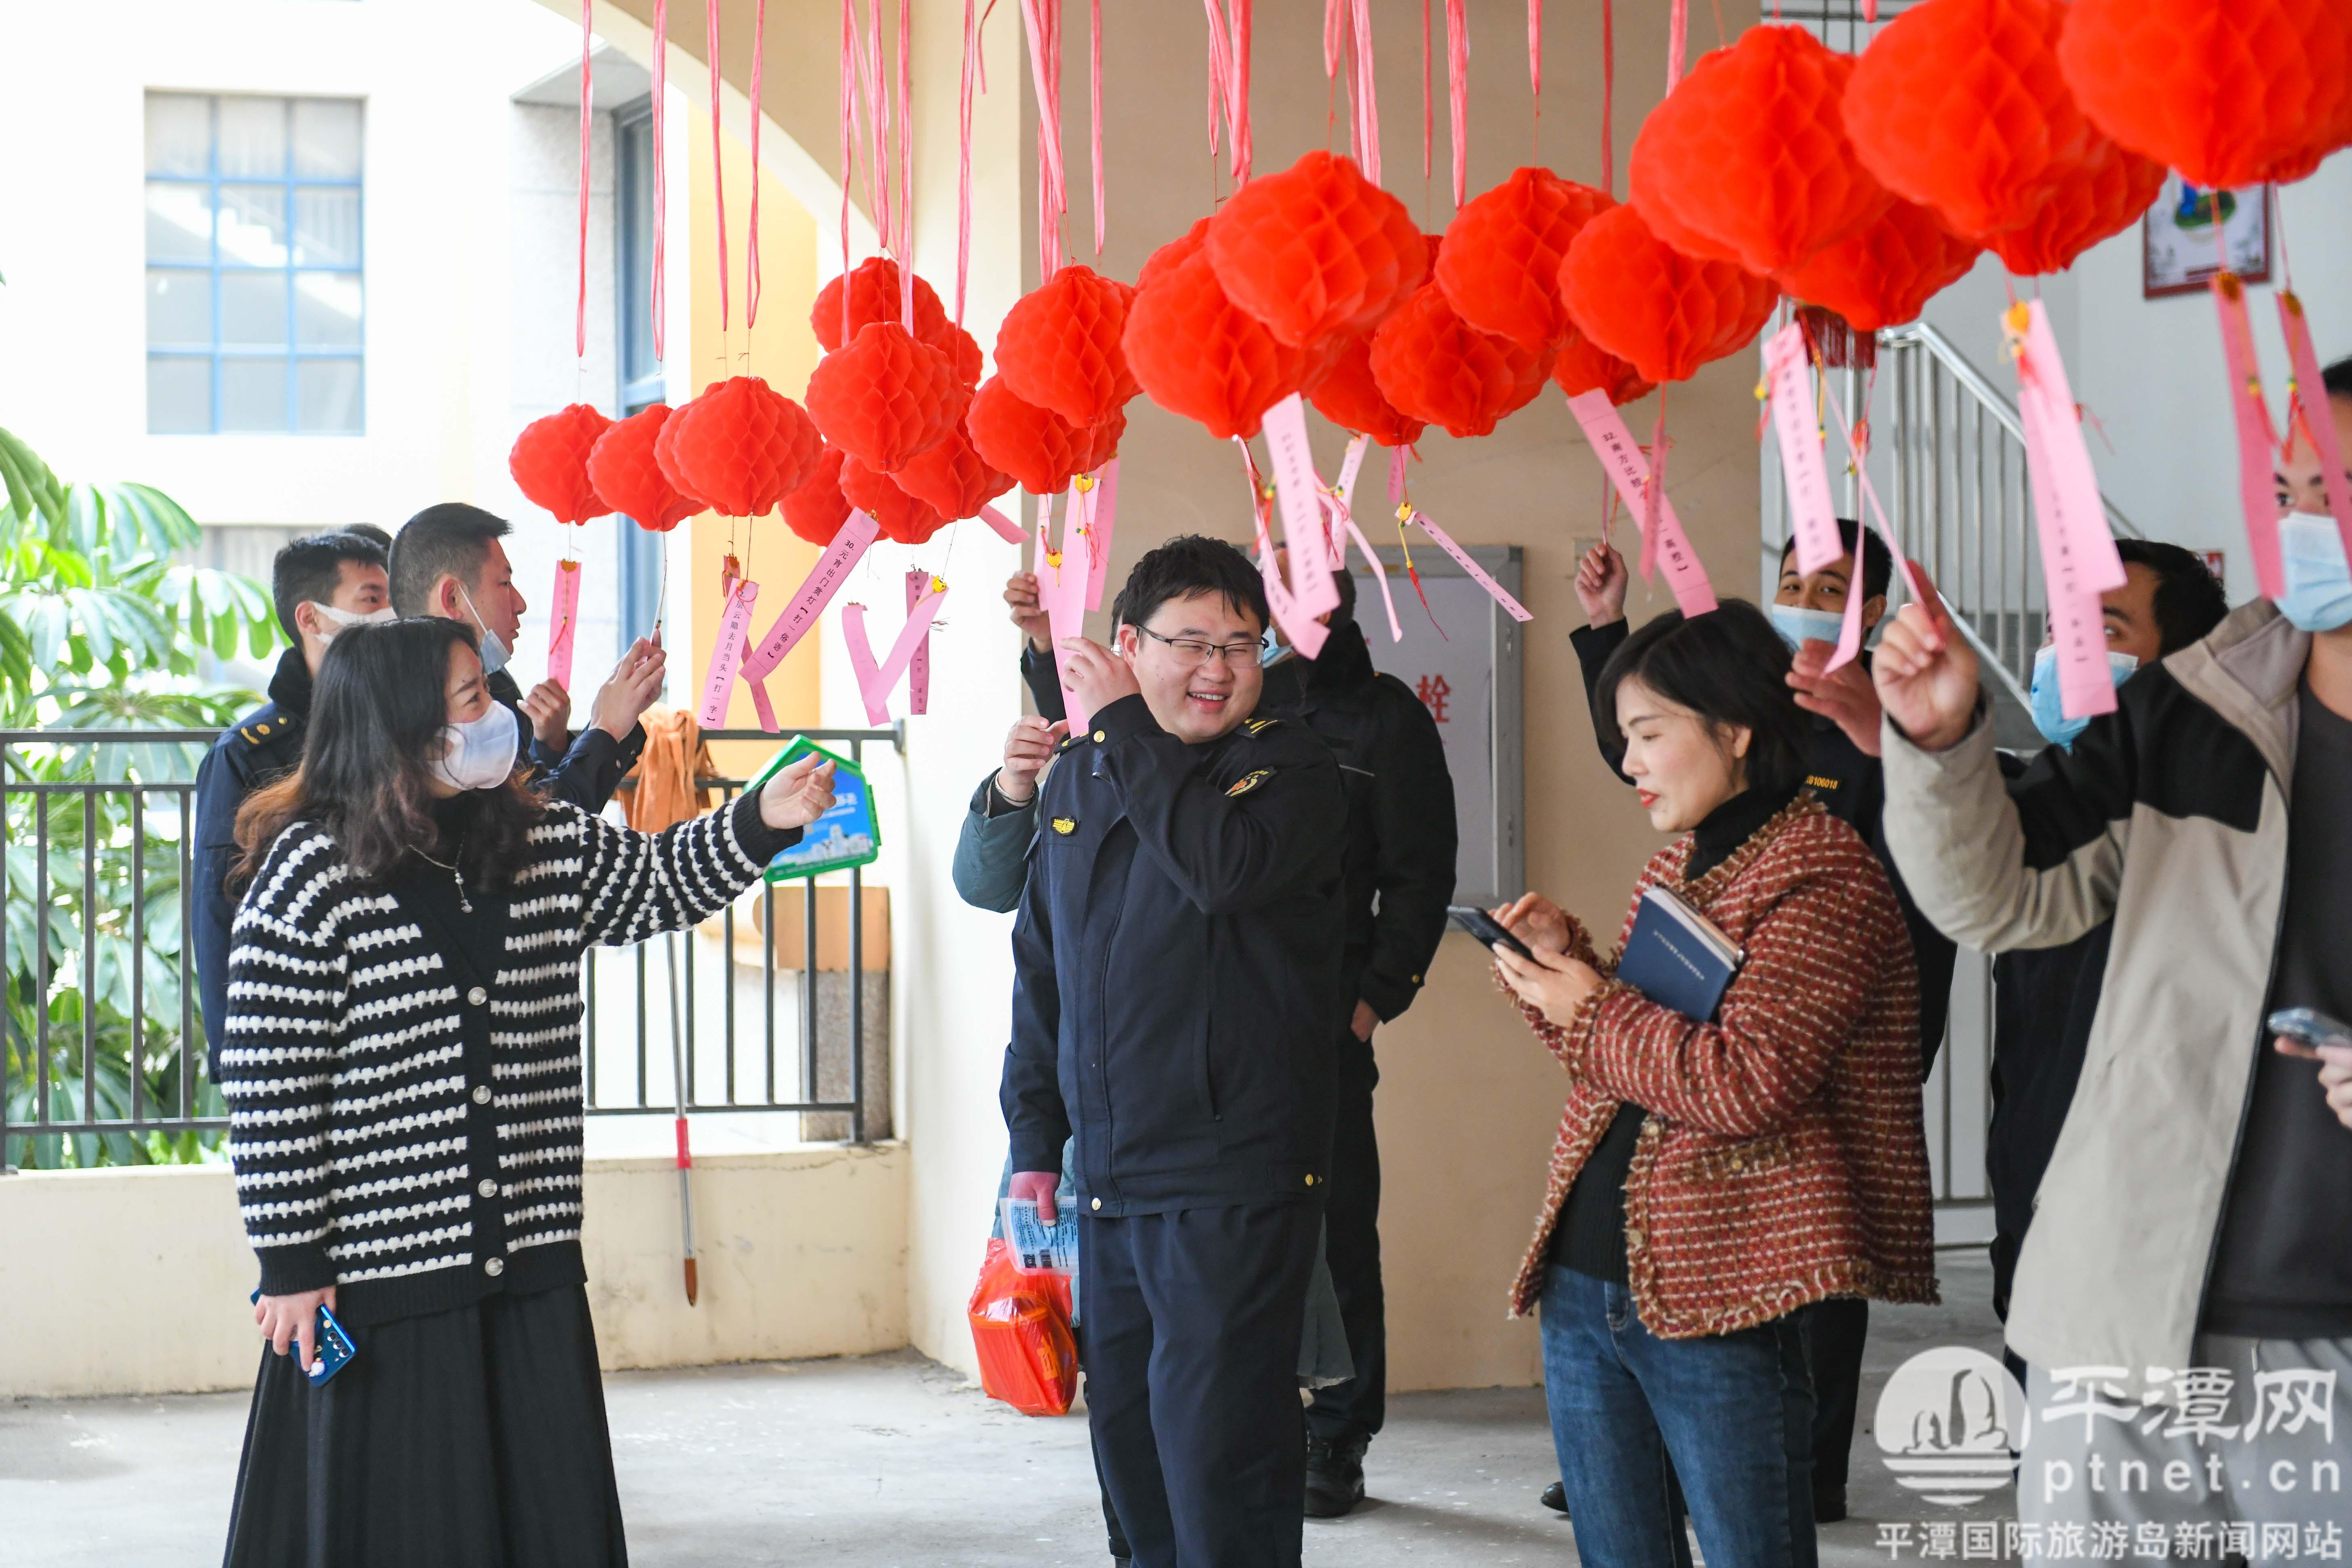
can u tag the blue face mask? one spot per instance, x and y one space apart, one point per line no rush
2048 716
2318 596
1798 626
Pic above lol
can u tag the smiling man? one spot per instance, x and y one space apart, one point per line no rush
1176 973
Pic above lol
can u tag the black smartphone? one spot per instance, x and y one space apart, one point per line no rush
2310 1028
1485 928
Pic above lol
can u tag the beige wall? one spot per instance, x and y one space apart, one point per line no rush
134 1280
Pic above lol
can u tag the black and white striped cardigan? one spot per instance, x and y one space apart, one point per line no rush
405 1133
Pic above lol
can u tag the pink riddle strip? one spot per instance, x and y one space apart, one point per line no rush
2253 424
875 682
727 658
1304 632
1802 463
1380 574
1350 467
2071 475
2311 393
1494 590
918 672
1007 528
1850 628
565 617
2085 685
1622 460
1296 486
815 592
1062 591
1102 518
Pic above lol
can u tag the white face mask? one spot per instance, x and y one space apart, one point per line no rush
1799 625
479 753
338 619
495 653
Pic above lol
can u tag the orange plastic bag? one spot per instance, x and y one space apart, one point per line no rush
1021 1327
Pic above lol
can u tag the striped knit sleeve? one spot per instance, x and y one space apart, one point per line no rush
288 972
1815 962
636 885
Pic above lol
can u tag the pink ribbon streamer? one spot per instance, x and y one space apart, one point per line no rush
718 165
563 614
848 146
1803 466
919 669
1007 528
963 159
751 243
727 655
1102 520
1229 52
816 591
1621 463
1535 64
1477 574
1457 87
1296 486
1044 24
2077 486
2311 395
874 681
1428 102
587 118
1094 99
2071 527
1677 42
1350 465
1379 575
661 174
905 210
1608 98
1850 627
1304 632
1397 456
2255 444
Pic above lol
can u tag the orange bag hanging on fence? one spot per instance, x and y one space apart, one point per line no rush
1021 1327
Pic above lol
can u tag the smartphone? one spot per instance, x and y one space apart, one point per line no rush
1485 928
2310 1028
335 1349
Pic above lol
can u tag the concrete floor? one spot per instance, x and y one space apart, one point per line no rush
893 1460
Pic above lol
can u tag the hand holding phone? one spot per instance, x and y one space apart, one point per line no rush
1486 928
2301 1031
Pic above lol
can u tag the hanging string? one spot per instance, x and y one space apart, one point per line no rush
1094 94
1044 23
717 171
1677 42
1244 147
963 158
587 104
1457 86
877 121
849 144
752 245
1365 92
661 176
1608 98
1535 74
1229 69
1428 104
1220 90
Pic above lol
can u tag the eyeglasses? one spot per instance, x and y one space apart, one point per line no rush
1190 653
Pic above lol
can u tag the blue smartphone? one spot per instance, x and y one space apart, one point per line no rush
335 1347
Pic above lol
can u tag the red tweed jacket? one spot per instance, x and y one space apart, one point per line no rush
1783 1158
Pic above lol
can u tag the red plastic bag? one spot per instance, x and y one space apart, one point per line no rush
1021 1327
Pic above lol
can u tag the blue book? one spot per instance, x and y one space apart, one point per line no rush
1678 958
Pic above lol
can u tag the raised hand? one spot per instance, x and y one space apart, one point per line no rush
1844 696
635 682
797 793
1027 751
1028 612
1601 581
548 708
1537 921
1925 673
1096 675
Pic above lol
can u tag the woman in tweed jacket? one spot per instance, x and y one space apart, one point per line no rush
402 1064
1713 1177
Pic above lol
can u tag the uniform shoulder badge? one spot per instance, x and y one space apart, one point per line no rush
1065 826
1256 727
1249 781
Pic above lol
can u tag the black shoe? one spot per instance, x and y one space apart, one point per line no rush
1335 1475
1554 1498
1828 1507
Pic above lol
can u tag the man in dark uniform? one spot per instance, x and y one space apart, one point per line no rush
1397 876
1176 972
319 585
448 562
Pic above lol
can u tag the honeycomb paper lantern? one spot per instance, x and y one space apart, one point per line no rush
745 448
622 467
901 517
1959 105
1750 151
952 479
1666 313
816 510
873 288
1316 249
1438 368
885 397
1173 254
2104 195
1036 445
665 451
962 352
1580 368
1097 444
550 463
1500 267
1347 394
2230 94
1883 275
1200 355
1059 346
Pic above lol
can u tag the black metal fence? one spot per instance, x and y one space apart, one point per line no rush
104 1058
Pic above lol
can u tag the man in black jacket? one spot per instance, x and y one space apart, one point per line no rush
1397 875
1176 972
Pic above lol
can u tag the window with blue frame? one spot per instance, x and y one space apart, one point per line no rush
254 279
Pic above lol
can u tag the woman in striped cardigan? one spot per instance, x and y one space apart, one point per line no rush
1713 1178
402 1067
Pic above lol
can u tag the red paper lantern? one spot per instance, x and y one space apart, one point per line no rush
1580 368
1173 254
902 517
953 480
1316 249
2103 196
1438 368
1502 254
744 447
1883 275
886 397
817 510
1200 355
628 476
1750 151
1036 445
550 463
665 451
962 352
1059 346
874 297
1097 444
1348 395
1959 105
2230 94
1638 298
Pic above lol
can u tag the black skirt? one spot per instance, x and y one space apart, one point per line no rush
469 1438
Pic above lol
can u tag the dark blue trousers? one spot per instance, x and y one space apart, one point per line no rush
1192 1323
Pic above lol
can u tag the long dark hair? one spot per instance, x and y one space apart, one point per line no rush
376 717
1728 667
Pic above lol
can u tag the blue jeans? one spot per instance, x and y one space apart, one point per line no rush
1728 1417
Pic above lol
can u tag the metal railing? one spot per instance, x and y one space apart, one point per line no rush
104 1035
